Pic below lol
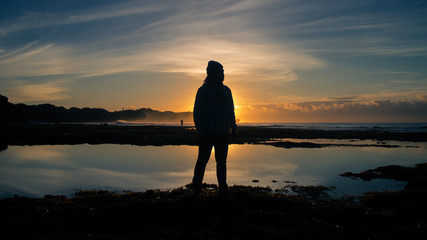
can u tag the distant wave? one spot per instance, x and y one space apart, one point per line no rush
379 127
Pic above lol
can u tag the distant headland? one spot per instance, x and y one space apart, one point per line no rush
22 113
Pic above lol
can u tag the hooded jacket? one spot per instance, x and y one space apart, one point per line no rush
214 109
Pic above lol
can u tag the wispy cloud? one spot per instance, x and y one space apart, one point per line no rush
377 111
34 60
188 34
32 19
265 47
37 92
369 108
185 40
362 28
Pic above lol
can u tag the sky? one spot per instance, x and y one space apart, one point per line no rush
285 61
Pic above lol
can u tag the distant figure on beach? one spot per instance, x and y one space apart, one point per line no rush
182 123
214 118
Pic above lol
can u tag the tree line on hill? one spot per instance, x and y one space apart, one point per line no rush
22 113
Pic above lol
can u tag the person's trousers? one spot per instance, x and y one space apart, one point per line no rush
206 142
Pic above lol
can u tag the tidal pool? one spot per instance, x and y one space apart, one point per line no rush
35 171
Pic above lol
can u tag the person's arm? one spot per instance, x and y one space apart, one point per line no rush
232 117
197 113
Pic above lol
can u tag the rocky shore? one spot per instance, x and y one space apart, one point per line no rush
305 212
247 213
169 135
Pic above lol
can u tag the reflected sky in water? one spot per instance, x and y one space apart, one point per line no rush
35 171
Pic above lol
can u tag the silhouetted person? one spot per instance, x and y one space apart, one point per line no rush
182 123
214 117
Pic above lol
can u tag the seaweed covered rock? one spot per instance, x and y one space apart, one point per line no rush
251 213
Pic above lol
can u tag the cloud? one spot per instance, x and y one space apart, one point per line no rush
189 37
342 111
265 47
343 99
34 20
37 92
35 60
185 40
358 28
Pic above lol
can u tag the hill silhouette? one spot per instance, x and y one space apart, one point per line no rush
22 113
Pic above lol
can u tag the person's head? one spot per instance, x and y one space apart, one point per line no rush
215 72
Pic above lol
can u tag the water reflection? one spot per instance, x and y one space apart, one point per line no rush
63 169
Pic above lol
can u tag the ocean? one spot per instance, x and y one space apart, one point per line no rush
380 127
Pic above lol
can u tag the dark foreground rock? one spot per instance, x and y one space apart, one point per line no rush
412 175
248 213
409 203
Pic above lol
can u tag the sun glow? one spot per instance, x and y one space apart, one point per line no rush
237 113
